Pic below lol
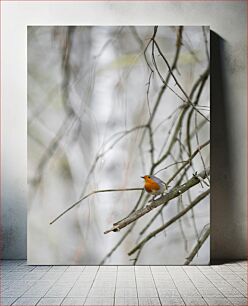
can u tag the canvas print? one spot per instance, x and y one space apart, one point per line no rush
118 145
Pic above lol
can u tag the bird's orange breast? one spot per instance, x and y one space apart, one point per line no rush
151 186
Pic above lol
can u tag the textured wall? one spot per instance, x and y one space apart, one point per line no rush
228 148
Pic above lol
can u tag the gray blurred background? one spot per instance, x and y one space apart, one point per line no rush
90 93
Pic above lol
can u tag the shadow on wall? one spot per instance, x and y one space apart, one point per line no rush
225 232
13 244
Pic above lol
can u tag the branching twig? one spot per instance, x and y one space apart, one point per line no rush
188 161
109 254
173 66
203 78
206 43
90 194
198 245
171 221
177 83
198 144
51 149
103 152
137 257
175 163
179 205
128 231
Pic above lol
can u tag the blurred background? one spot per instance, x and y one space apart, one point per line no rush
103 110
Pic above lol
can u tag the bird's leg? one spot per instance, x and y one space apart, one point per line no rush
165 190
153 199
195 174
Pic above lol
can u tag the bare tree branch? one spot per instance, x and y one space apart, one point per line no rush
205 234
128 231
176 81
179 207
188 161
163 206
171 221
90 194
175 192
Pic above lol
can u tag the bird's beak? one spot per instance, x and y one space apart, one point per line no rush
142 177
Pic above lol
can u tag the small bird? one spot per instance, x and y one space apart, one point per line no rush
154 185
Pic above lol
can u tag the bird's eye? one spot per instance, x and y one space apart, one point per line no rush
148 176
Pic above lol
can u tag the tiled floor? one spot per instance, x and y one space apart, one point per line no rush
112 285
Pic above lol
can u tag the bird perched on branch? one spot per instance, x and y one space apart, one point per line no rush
154 185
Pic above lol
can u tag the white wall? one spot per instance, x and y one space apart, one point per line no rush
229 143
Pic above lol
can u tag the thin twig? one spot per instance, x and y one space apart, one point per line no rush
51 149
192 214
203 79
175 163
206 43
90 194
177 83
100 154
198 245
137 257
179 205
173 66
188 161
109 254
198 144
181 117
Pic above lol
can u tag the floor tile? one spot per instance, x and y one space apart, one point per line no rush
99 301
126 301
7 301
149 301
164 292
194 301
58 291
73 301
147 292
75 269
126 292
125 285
238 301
79 291
50 301
217 301
27 301
166 301
102 292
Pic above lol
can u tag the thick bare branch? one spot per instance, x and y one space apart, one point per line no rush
163 206
175 192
